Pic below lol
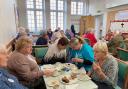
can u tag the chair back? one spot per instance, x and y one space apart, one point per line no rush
40 51
123 71
122 54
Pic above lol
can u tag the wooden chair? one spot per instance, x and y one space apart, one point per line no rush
122 54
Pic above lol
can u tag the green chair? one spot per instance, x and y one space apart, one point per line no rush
122 54
39 52
123 70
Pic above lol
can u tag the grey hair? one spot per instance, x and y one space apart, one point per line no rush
43 32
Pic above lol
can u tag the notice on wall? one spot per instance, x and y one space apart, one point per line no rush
119 25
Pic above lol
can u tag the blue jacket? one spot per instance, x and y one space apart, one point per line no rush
8 81
86 53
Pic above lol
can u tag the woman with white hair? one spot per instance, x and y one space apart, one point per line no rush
105 68
90 35
7 81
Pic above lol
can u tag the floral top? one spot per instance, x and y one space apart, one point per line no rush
110 69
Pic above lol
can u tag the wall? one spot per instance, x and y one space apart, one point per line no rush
111 14
114 3
96 7
7 21
22 13
107 9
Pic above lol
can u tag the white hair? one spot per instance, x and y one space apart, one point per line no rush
101 46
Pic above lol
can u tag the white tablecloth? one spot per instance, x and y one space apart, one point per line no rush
84 84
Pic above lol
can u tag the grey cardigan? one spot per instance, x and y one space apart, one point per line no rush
110 69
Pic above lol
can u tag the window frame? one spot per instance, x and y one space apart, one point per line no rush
84 6
59 11
35 16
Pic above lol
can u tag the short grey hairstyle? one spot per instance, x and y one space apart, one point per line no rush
101 46
43 32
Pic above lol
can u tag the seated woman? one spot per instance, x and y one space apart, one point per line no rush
81 53
90 35
56 51
69 34
7 81
23 65
43 39
116 41
105 69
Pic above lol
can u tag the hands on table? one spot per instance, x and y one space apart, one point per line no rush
78 60
48 72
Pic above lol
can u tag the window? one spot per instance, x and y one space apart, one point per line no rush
35 14
77 7
80 8
73 7
53 20
60 20
57 14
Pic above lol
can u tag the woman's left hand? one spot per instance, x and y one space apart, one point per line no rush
97 68
77 60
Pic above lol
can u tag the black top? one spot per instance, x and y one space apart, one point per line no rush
73 29
41 41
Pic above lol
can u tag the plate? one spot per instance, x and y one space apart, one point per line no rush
49 66
83 77
52 83
56 73
71 81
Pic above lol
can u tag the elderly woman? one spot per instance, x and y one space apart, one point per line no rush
7 81
81 53
105 69
116 41
90 35
24 66
57 51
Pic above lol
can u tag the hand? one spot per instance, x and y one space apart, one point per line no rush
97 68
77 60
48 72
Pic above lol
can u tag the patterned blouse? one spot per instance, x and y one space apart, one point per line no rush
110 69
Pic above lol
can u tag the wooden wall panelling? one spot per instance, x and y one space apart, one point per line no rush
86 22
